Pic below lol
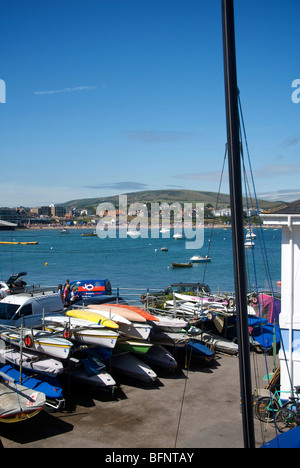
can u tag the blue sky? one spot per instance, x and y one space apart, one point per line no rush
112 96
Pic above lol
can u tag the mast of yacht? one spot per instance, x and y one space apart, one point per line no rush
234 166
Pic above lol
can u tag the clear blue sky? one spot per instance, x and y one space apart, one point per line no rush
111 96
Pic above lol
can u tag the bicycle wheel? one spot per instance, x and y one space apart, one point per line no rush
286 418
266 408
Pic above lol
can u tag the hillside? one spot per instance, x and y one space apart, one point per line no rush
170 196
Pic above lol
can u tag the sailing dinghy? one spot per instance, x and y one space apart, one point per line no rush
49 386
17 402
82 331
39 341
129 365
32 361
89 370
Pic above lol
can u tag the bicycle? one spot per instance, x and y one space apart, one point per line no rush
267 407
288 416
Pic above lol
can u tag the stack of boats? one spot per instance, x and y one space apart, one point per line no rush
218 314
92 344
97 343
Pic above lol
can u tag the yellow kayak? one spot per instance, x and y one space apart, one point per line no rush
92 317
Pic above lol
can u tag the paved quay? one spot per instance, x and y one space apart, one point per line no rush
198 408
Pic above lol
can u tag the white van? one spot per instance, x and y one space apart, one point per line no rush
28 309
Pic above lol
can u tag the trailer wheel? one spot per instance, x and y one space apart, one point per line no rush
28 341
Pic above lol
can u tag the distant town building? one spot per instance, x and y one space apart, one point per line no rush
16 216
222 212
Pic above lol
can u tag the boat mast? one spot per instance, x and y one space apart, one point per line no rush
234 165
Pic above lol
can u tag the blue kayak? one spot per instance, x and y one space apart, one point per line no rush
197 350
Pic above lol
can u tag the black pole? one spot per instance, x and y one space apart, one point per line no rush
234 165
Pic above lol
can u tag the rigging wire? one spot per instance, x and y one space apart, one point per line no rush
266 263
217 201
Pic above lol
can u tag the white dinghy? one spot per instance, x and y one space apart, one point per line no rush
39 341
82 331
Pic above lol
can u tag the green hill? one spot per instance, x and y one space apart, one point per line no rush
170 196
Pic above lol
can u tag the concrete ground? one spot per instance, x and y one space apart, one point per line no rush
198 408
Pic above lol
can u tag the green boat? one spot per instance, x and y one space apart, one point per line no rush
139 347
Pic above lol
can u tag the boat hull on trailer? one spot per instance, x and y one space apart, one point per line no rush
38 341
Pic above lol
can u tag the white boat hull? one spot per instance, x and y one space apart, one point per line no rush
89 334
40 342
133 330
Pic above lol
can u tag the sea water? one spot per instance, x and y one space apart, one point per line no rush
137 264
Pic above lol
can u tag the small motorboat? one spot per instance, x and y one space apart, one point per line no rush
164 249
89 234
182 265
199 259
249 244
179 236
250 235
133 234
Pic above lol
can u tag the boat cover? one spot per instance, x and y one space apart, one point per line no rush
32 361
47 385
290 439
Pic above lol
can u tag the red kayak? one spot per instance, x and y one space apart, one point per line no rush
140 311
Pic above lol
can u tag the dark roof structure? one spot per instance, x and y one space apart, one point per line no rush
292 208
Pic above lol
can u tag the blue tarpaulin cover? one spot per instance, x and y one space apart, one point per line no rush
290 439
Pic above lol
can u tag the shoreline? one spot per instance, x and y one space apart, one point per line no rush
93 228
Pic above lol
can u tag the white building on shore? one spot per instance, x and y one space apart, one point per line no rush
289 321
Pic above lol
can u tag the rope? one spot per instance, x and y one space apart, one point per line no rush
217 201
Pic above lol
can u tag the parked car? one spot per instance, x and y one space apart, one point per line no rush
13 285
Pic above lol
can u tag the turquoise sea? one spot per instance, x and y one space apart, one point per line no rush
136 264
